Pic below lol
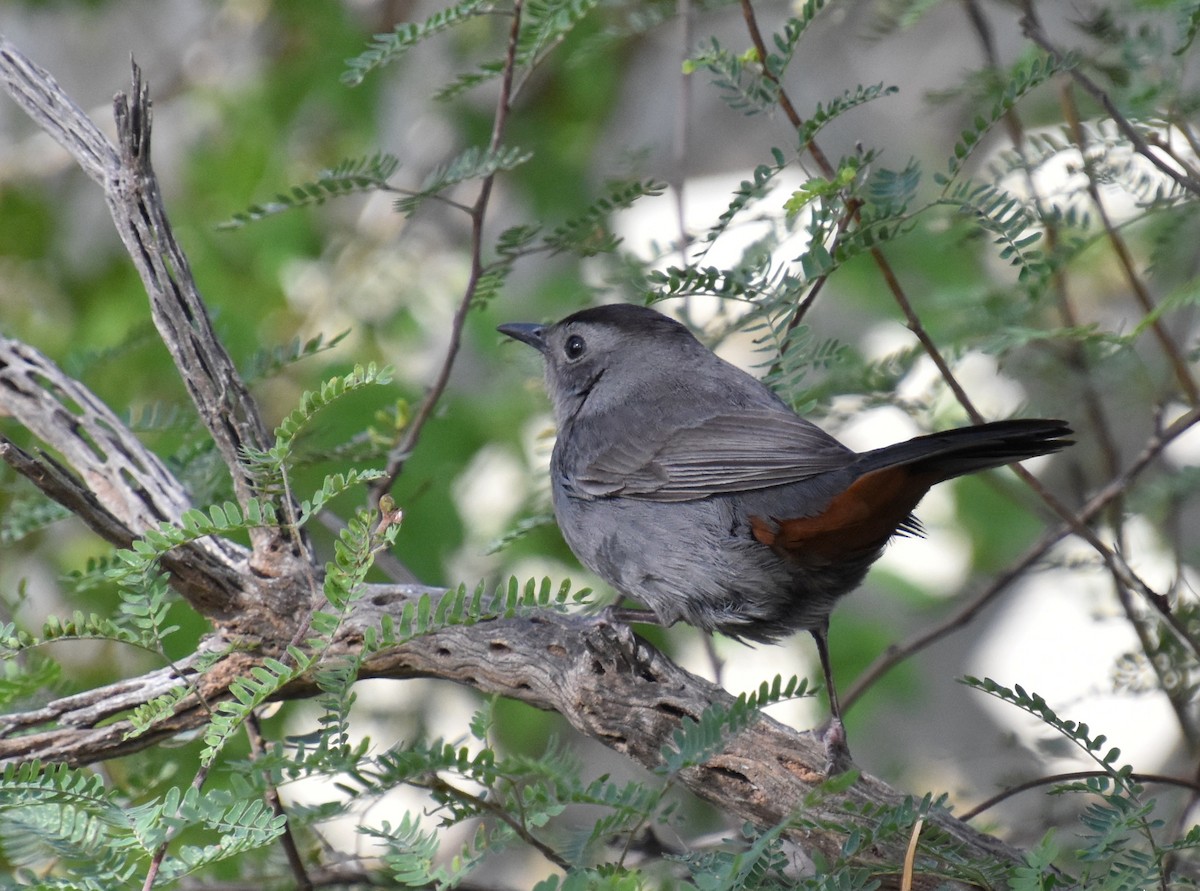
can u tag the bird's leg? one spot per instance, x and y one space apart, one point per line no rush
837 751
630 615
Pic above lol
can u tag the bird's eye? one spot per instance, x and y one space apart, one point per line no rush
574 347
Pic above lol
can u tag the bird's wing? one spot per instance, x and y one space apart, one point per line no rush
747 450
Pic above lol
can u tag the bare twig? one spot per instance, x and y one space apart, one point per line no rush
179 313
1038 782
160 853
295 861
853 206
1032 28
497 810
1072 351
403 449
681 144
1178 363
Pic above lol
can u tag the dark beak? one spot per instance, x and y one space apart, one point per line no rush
526 332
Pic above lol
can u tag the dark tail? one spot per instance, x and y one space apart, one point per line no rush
951 453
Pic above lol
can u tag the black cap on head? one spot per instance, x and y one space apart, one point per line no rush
628 317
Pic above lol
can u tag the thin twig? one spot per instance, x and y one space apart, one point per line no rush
1178 363
254 735
498 811
912 320
160 853
1074 355
1032 28
403 449
681 145
1157 666
1069 777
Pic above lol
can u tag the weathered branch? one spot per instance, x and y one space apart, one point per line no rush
123 489
609 684
179 313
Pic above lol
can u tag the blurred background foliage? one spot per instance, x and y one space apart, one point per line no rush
249 100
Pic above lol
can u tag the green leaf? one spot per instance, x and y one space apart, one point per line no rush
351 176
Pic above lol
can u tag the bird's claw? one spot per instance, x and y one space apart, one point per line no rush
837 751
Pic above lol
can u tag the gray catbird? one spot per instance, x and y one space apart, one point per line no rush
689 486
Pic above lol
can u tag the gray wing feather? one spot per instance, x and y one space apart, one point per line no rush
752 449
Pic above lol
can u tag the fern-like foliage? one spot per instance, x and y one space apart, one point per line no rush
834 108
136 564
270 464
1093 746
519 530
27 515
354 554
865 825
1023 81
270 361
696 741
587 234
457 607
755 860
166 705
1014 227
473 163
544 25
792 353
236 825
68 815
388 48
409 853
351 176
23 675
740 77
1121 846
747 193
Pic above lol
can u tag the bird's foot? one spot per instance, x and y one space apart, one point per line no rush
837 750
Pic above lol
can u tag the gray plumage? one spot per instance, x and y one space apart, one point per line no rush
689 486
665 451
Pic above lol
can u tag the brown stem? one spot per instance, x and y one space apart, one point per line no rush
912 320
403 449
1074 354
999 797
160 854
681 143
1032 29
491 806
295 861
1178 363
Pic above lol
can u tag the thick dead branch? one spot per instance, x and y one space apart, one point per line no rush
122 489
179 313
202 571
608 683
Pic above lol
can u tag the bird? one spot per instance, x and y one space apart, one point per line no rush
692 488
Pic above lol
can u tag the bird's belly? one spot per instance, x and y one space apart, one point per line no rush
698 562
